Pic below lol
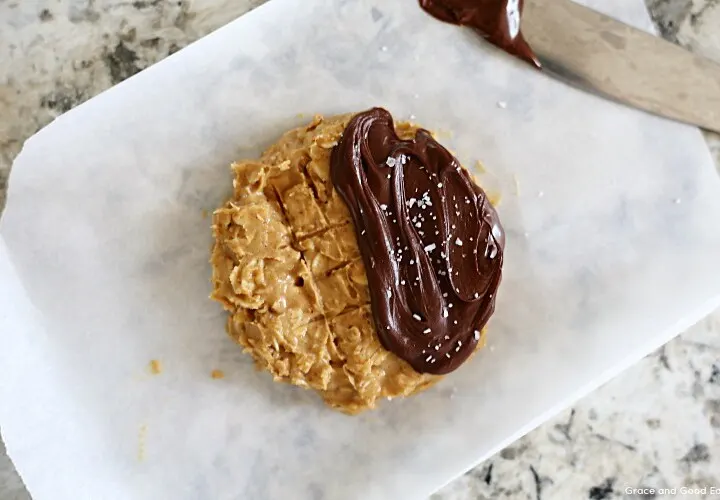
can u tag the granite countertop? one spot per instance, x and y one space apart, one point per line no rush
656 425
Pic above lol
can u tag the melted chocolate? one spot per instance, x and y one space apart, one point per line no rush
431 241
498 21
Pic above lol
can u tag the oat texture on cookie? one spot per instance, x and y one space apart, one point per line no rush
287 268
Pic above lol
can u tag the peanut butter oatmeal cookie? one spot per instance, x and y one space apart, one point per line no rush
357 258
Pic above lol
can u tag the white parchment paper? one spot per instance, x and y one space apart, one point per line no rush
613 247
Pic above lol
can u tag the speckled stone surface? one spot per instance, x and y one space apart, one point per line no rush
657 425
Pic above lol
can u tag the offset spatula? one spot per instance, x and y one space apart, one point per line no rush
599 54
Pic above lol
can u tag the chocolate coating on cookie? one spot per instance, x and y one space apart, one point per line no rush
431 241
498 21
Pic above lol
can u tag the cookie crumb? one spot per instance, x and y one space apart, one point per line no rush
155 367
142 433
217 374
494 199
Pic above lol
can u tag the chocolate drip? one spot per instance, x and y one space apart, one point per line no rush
431 241
498 21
